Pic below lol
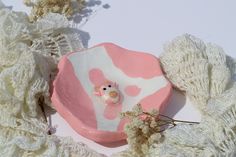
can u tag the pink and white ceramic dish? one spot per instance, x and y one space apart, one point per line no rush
94 85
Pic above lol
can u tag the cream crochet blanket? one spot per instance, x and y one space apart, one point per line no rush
28 58
207 75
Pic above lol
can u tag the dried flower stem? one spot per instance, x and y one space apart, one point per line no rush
181 121
168 119
41 105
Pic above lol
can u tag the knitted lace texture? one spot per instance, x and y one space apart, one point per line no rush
207 75
28 59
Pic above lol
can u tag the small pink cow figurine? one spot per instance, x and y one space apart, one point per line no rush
108 92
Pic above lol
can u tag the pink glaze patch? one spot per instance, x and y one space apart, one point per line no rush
157 100
97 77
143 65
66 91
132 90
122 124
112 111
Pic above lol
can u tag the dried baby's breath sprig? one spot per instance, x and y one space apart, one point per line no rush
40 8
145 128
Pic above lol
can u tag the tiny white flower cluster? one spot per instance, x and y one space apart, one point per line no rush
143 129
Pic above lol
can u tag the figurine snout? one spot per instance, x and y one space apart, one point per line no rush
113 94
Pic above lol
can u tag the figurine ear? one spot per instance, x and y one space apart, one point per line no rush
107 82
96 88
97 93
115 84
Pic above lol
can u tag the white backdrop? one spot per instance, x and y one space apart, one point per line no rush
145 25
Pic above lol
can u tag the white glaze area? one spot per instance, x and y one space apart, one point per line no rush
98 58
